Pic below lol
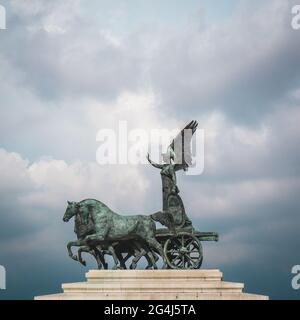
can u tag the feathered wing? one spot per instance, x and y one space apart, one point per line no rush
181 145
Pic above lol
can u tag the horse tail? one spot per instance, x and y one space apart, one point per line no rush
165 218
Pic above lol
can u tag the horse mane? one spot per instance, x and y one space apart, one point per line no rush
93 200
89 199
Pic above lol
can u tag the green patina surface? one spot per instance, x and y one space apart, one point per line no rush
101 232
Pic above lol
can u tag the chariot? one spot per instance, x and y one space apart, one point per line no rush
100 231
183 248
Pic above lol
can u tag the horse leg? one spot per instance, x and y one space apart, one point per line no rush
151 258
149 255
137 256
116 261
100 255
71 244
79 253
153 243
139 252
127 257
131 251
153 255
97 255
121 259
100 235
94 252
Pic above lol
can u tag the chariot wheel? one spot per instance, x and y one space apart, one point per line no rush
183 251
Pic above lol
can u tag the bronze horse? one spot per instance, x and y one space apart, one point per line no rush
111 233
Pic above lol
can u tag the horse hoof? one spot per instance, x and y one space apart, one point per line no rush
118 268
74 258
83 263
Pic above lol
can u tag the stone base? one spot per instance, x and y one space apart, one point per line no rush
153 285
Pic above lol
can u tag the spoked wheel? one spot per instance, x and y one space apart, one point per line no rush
183 251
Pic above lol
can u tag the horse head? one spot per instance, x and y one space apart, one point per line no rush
71 211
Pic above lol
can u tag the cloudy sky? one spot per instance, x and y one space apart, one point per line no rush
69 68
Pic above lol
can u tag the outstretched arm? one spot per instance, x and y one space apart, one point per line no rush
178 167
155 165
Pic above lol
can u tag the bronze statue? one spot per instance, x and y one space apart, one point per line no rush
100 231
178 157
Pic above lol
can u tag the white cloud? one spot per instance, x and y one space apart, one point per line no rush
239 67
42 188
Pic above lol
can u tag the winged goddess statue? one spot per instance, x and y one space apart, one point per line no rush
178 157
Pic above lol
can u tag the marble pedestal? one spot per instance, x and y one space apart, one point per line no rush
153 285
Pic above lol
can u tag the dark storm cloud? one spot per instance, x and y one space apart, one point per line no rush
258 244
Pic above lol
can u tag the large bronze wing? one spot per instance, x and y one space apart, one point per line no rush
181 146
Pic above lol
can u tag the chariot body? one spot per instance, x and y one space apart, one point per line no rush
181 242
